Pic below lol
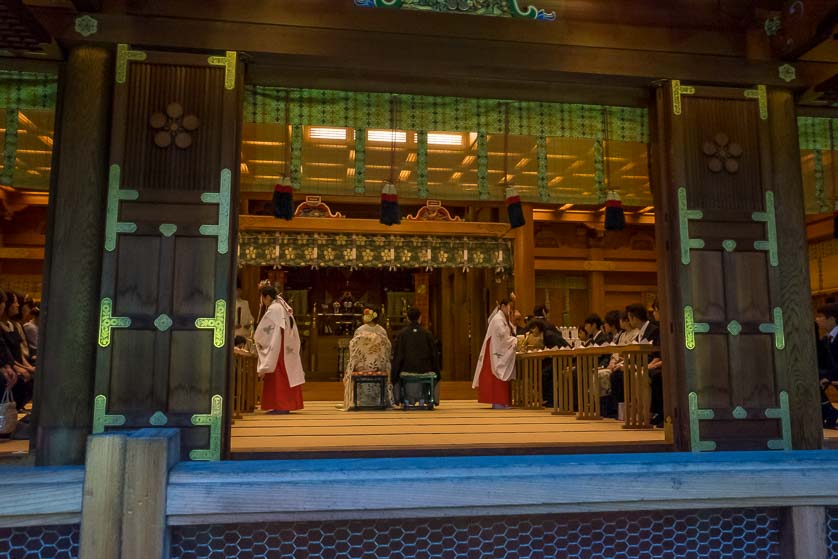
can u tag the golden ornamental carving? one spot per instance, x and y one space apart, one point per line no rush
173 126
433 210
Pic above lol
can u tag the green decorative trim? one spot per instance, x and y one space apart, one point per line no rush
229 63
213 421
124 55
101 419
361 160
163 322
784 415
222 198
691 328
107 321
483 165
167 229
696 416
775 328
787 73
820 191
599 170
734 328
768 217
113 226
86 25
10 147
684 217
817 134
729 245
543 184
296 155
158 419
217 323
422 163
761 95
497 8
739 413
677 91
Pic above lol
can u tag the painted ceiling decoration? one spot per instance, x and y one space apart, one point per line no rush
498 8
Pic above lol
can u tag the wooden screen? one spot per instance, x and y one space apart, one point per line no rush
731 207
168 264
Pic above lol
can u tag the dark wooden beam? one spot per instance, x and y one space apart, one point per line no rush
426 56
803 26
88 5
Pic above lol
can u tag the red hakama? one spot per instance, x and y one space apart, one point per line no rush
491 389
277 393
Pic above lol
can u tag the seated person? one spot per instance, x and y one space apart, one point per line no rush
369 352
650 333
414 352
611 325
544 338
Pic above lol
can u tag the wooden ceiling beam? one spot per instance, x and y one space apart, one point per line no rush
88 5
803 26
429 57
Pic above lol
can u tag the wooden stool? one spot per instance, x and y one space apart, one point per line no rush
426 389
379 379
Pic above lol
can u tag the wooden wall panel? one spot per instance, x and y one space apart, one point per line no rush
719 192
169 267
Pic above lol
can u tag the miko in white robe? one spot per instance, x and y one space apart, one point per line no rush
278 345
496 364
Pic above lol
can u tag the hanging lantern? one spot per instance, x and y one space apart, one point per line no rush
513 208
283 199
391 214
615 217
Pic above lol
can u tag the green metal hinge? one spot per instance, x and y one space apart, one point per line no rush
684 217
123 55
782 413
113 226
677 91
222 198
761 95
213 420
769 218
101 419
691 328
696 416
229 63
775 328
107 321
217 323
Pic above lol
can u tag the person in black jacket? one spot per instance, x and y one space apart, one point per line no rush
552 340
826 319
649 332
414 351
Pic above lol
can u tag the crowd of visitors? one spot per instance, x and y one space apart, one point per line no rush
18 350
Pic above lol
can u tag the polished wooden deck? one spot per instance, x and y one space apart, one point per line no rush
456 425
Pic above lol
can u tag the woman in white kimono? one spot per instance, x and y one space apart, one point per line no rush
369 352
496 364
278 345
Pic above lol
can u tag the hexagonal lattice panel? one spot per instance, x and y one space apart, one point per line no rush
832 532
740 534
40 542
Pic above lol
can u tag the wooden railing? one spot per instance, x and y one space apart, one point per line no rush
580 368
132 492
245 386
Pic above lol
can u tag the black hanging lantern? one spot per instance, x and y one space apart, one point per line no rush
615 217
283 199
391 214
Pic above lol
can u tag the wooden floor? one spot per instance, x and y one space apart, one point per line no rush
456 425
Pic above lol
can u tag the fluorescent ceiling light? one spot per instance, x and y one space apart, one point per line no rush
387 136
321 133
442 139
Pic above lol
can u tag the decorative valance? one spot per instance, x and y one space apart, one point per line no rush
320 107
815 133
27 90
278 248
820 135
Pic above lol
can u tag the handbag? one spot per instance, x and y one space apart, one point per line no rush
8 413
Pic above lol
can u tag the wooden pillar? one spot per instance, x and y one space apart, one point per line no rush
804 533
249 277
446 326
524 263
596 293
422 295
69 325
462 359
736 325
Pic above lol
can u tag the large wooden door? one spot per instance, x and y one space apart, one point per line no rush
740 360
169 251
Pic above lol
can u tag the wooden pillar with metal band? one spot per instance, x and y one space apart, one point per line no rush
524 263
736 319
75 232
